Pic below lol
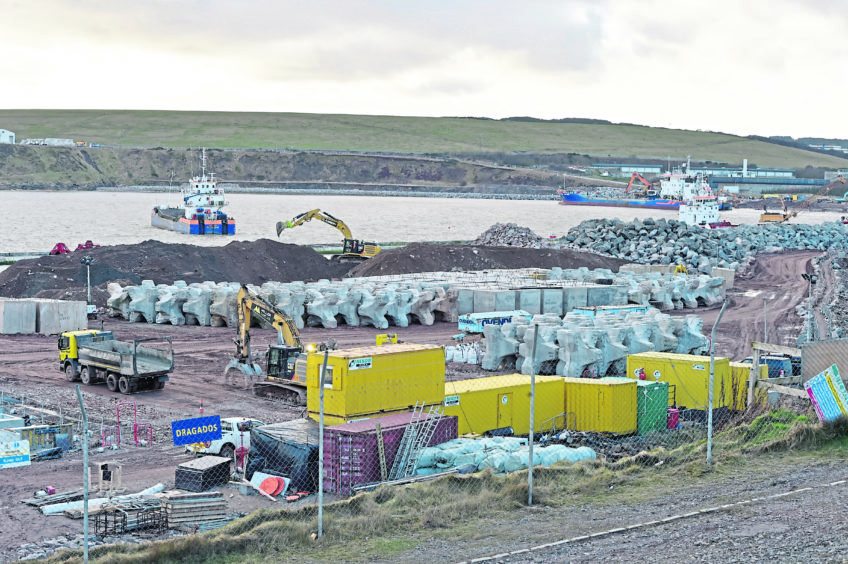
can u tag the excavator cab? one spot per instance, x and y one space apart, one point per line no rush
281 362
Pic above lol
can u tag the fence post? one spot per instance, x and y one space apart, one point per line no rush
532 408
321 446
84 475
710 395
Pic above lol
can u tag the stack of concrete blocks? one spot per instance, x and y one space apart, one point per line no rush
41 316
579 345
420 298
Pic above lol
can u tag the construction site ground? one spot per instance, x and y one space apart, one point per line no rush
29 369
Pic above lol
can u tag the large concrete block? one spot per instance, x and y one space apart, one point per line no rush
574 296
54 316
552 300
728 274
606 295
493 300
17 316
464 301
529 300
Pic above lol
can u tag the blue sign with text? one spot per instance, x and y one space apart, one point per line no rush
197 430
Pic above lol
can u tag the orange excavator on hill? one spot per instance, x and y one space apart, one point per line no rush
649 191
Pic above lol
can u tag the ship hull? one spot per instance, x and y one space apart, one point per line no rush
171 220
572 199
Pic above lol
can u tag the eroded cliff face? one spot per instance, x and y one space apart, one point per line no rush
38 167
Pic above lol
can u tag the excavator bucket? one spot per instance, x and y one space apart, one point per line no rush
251 373
281 226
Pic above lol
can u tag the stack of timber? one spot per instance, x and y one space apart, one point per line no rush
186 509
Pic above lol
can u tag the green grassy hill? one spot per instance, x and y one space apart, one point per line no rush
399 135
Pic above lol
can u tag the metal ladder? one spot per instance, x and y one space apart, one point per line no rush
406 441
422 439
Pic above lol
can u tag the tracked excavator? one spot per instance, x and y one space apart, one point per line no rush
775 217
284 376
353 249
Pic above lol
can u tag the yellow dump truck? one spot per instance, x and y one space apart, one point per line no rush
378 380
94 356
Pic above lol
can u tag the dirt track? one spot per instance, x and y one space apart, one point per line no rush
28 366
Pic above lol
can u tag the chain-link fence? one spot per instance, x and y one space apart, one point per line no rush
379 420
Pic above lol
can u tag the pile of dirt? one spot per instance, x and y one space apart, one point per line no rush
434 257
256 262
253 262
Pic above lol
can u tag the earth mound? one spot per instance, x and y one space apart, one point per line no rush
434 257
250 262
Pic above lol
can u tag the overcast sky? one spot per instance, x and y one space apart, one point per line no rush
765 67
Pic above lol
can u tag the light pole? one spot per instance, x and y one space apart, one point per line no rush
87 260
811 280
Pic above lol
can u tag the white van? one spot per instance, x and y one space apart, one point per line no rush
235 433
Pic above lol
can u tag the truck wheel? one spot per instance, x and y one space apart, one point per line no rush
69 373
111 382
124 385
88 375
227 451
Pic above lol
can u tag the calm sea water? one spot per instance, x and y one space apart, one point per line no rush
35 221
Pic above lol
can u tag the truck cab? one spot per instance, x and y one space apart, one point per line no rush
69 343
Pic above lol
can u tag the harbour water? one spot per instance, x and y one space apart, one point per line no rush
36 221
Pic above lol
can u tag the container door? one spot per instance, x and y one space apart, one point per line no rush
504 410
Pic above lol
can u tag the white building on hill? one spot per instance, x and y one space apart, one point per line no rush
7 136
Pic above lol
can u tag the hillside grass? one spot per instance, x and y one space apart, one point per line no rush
464 510
421 135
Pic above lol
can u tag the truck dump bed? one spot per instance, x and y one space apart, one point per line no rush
129 358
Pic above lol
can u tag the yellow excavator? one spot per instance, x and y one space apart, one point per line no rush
281 364
353 249
775 217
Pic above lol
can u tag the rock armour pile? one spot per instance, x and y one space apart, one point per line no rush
671 242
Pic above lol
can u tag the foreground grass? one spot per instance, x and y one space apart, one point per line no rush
392 521
398 134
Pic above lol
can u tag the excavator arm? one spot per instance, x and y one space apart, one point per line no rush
353 249
302 218
649 188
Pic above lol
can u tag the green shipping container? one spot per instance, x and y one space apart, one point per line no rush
651 406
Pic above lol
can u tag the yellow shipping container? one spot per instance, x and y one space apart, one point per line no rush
601 405
495 402
690 376
370 381
740 372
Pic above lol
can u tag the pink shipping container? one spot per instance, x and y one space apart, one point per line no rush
351 456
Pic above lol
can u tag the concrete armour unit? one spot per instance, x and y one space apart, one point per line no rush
445 304
373 309
322 308
547 351
223 307
501 344
119 299
196 307
142 306
55 316
169 306
422 306
577 352
17 316
348 305
399 304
